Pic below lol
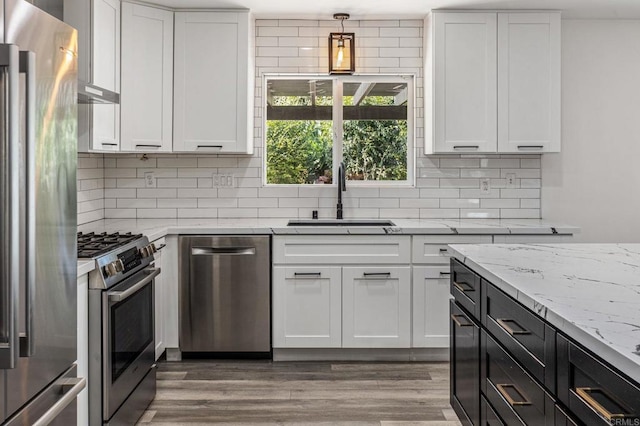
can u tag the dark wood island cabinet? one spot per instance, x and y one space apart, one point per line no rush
511 367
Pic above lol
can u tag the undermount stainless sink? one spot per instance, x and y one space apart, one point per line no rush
340 222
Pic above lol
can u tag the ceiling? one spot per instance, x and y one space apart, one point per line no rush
377 9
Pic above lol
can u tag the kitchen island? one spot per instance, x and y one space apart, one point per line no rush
580 323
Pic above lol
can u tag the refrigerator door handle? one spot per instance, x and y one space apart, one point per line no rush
28 67
9 197
70 390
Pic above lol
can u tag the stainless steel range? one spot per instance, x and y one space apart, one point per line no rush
122 378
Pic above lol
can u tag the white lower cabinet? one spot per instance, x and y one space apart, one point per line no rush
83 348
307 307
160 301
376 309
431 296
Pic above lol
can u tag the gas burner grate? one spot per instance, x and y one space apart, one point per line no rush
92 245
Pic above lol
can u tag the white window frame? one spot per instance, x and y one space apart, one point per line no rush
337 125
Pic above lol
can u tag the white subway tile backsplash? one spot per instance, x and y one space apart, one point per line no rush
447 186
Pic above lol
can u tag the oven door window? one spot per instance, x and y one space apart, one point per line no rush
131 329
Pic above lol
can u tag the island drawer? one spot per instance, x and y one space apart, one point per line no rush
563 419
516 397
593 392
526 336
465 287
342 249
488 416
432 249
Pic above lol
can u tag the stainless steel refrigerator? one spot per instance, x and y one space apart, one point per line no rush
38 139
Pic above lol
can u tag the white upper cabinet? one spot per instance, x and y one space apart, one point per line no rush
105 67
146 101
98 25
528 82
212 83
464 82
492 82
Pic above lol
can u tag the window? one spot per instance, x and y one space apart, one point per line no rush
315 123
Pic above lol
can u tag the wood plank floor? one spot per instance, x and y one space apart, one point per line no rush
204 392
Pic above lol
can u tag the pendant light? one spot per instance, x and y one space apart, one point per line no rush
342 51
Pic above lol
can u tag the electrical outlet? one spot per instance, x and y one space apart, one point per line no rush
149 180
223 181
511 180
485 186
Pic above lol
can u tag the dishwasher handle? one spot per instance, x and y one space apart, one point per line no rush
223 251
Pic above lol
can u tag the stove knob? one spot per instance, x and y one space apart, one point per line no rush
153 248
110 269
118 265
144 252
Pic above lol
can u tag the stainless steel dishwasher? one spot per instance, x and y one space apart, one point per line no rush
225 295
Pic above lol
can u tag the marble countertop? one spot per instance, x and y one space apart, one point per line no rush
157 228
85 266
591 292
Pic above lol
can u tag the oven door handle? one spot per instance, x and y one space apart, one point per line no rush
119 296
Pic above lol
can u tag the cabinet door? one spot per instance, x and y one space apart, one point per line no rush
376 307
159 307
431 307
211 82
307 307
146 101
465 79
465 366
105 70
528 82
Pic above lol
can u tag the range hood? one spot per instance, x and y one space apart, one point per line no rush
91 94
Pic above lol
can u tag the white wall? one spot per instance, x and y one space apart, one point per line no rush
595 182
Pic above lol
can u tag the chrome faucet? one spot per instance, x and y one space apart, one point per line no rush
342 186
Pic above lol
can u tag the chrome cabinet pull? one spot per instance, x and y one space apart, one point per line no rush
70 390
472 147
9 196
455 319
463 287
504 323
119 296
502 388
27 66
584 394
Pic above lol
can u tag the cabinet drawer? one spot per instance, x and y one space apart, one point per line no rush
465 287
341 249
464 354
433 249
593 392
526 337
488 416
513 393
563 419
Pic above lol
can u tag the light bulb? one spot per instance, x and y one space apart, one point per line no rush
340 56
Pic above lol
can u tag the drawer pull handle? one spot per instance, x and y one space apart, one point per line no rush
445 273
377 274
307 274
455 319
585 395
503 322
503 391
463 287
443 250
